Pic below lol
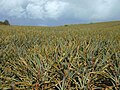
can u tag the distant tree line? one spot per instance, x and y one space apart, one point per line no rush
6 22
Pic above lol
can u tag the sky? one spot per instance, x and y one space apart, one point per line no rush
58 12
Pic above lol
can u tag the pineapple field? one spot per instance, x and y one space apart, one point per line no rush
69 57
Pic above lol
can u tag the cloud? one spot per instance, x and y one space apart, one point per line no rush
35 9
103 9
93 9
55 8
61 10
12 8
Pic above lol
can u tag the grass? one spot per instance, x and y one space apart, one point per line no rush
76 57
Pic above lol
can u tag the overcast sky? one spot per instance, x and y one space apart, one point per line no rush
58 12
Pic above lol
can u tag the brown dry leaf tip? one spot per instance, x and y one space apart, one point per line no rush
37 86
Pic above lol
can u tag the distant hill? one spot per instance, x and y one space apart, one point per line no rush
6 22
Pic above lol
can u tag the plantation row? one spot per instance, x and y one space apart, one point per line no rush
72 57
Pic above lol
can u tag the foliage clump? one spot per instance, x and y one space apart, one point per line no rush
6 22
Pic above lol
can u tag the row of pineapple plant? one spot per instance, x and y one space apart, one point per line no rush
85 57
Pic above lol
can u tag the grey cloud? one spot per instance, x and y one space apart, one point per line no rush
93 9
36 9
61 10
